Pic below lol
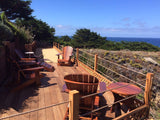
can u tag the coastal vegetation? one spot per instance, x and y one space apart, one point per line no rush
85 38
116 62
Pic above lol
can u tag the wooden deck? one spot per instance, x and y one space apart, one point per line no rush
48 93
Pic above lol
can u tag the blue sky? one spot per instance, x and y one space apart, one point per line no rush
110 18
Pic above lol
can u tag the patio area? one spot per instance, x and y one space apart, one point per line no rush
48 93
48 101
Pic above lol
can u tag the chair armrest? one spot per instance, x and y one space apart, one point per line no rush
27 62
33 69
28 59
59 54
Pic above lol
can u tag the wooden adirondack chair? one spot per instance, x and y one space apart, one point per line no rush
26 76
30 60
29 76
85 84
66 56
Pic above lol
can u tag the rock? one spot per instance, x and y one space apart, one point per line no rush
149 59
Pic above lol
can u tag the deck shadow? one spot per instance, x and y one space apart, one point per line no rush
105 113
19 100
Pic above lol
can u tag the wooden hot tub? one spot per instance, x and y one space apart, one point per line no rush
84 83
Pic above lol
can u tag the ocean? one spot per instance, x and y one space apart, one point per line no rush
153 41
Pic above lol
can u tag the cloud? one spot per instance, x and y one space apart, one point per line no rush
139 23
127 19
59 26
127 24
123 31
132 31
64 27
65 30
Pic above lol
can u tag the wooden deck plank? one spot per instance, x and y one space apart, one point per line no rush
59 110
14 105
49 112
34 105
20 105
55 92
8 104
41 103
4 95
5 115
25 94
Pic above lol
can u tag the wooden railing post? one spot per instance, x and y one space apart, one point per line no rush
77 55
53 44
74 105
95 62
147 94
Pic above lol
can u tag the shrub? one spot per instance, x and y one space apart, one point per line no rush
25 34
106 53
136 65
6 33
8 30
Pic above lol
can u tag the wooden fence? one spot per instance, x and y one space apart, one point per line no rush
3 65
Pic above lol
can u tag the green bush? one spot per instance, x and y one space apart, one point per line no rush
6 33
24 34
106 53
136 65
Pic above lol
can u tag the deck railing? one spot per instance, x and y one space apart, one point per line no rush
109 72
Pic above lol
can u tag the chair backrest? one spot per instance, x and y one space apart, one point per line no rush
67 52
19 53
16 65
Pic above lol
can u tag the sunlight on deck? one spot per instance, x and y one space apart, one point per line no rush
49 55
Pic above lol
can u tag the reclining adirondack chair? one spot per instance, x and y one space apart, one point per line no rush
30 60
26 76
85 84
66 56
23 57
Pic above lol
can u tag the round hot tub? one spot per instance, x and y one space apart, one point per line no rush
84 83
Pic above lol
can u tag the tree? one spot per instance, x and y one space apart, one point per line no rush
65 40
41 30
11 32
86 38
16 8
